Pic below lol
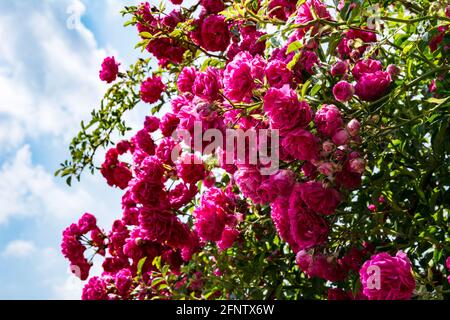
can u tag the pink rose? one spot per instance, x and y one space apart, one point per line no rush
215 34
110 70
396 281
207 85
237 79
151 89
372 86
229 236
340 138
213 6
285 111
301 144
318 198
366 66
353 127
249 180
343 91
340 68
328 120
278 74
307 228
186 79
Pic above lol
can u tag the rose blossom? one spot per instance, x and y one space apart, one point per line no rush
366 66
151 89
190 168
340 138
215 35
237 79
229 236
328 120
207 85
95 289
278 74
213 6
340 68
318 198
395 278
343 91
353 127
110 70
372 86
249 180
186 79
285 111
301 144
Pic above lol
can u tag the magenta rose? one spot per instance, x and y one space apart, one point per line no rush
386 277
147 192
285 111
186 79
238 81
110 70
343 91
301 144
151 89
340 68
328 120
372 86
280 218
249 180
308 230
366 66
215 34
318 198
207 84
278 74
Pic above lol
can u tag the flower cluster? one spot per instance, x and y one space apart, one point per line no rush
182 197
75 243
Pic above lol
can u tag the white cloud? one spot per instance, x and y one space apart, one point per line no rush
48 73
19 249
29 190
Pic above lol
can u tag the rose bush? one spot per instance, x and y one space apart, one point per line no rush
358 92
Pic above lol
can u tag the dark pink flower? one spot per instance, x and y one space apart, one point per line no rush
191 168
215 35
366 66
151 89
386 277
372 86
229 236
186 79
95 289
278 74
340 68
212 6
301 144
328 120
110 70
318 198
207 85
343 91
285 111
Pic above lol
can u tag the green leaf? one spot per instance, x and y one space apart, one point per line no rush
146 35
140 266
294 46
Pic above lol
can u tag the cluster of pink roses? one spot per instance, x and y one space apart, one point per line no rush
319 149
75 243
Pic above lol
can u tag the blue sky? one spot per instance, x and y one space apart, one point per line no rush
48 84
